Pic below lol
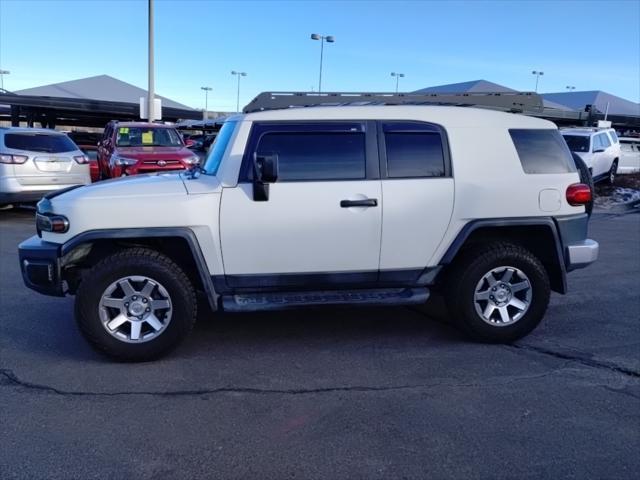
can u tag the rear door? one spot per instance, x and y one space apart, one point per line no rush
418 190
306 235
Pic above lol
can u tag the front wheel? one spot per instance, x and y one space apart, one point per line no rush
613 171
135 305
498 293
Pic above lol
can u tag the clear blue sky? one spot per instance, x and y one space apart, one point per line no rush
593 45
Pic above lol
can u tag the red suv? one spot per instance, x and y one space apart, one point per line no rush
129 148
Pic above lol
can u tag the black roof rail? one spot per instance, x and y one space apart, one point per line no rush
516 102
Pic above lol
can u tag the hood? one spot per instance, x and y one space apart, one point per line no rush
137 186
155 153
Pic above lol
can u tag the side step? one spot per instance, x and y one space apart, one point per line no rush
279 301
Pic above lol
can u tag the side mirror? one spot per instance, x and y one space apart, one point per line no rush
266 168
265 171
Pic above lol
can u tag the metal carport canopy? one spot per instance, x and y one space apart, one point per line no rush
79 112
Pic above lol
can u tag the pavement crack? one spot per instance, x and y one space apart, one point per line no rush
579 359
9 378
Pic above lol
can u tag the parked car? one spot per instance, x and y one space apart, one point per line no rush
359 205
629 155
129 148
599 148
91 151
34 162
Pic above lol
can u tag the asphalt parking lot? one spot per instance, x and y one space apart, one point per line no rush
331 393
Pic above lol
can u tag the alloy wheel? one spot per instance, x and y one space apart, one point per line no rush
135 309
502 296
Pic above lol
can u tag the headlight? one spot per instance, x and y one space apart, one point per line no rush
192 160
123 161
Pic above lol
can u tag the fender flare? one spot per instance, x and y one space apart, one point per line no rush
155 232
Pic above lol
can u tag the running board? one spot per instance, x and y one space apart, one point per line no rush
279 301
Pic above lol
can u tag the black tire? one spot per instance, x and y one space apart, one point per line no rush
611 176
471 267
127 263
586 178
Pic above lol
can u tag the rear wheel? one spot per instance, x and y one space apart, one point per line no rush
498 293
135 305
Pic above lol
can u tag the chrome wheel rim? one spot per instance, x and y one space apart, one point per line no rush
135 309
503 296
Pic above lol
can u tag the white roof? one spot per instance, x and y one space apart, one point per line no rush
445 116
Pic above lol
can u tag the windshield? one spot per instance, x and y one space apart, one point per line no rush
39 142
147 137
577 143
218 147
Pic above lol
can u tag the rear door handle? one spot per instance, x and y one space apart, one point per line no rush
367 202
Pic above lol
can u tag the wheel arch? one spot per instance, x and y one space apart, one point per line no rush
539 235
178 243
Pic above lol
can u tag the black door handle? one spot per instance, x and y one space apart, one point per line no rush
366 202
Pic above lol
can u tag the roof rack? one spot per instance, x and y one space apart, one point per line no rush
516 102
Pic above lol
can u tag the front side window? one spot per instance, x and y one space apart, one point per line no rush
413 151
542 151
219 146
39 142
604 140
577 143
316 155
147 137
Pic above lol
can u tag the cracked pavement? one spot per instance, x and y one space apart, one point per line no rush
331 393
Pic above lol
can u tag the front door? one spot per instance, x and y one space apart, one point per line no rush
308 234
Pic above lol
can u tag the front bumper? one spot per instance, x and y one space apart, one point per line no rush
581 254
40 266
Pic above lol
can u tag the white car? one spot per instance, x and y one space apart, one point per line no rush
36 161
630 155
598 148
359 205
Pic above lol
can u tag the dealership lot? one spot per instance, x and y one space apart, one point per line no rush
331 393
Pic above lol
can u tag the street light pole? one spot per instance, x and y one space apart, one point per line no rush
151 92
238 74
2 74
398 77
322 38
538 75
206 101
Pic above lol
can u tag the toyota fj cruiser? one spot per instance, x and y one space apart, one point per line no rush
353 205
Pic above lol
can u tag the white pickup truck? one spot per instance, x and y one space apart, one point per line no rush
324 205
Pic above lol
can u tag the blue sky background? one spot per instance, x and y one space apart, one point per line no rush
593 45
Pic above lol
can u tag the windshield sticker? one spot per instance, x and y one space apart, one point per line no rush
124 130
147 138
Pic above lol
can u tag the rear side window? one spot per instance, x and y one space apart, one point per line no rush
413 151
577 143
542 151
614 136
305 156
39 142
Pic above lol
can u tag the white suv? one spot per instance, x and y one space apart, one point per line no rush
36 161
598 148
354 205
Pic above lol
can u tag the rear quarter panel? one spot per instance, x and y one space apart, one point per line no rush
491 183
